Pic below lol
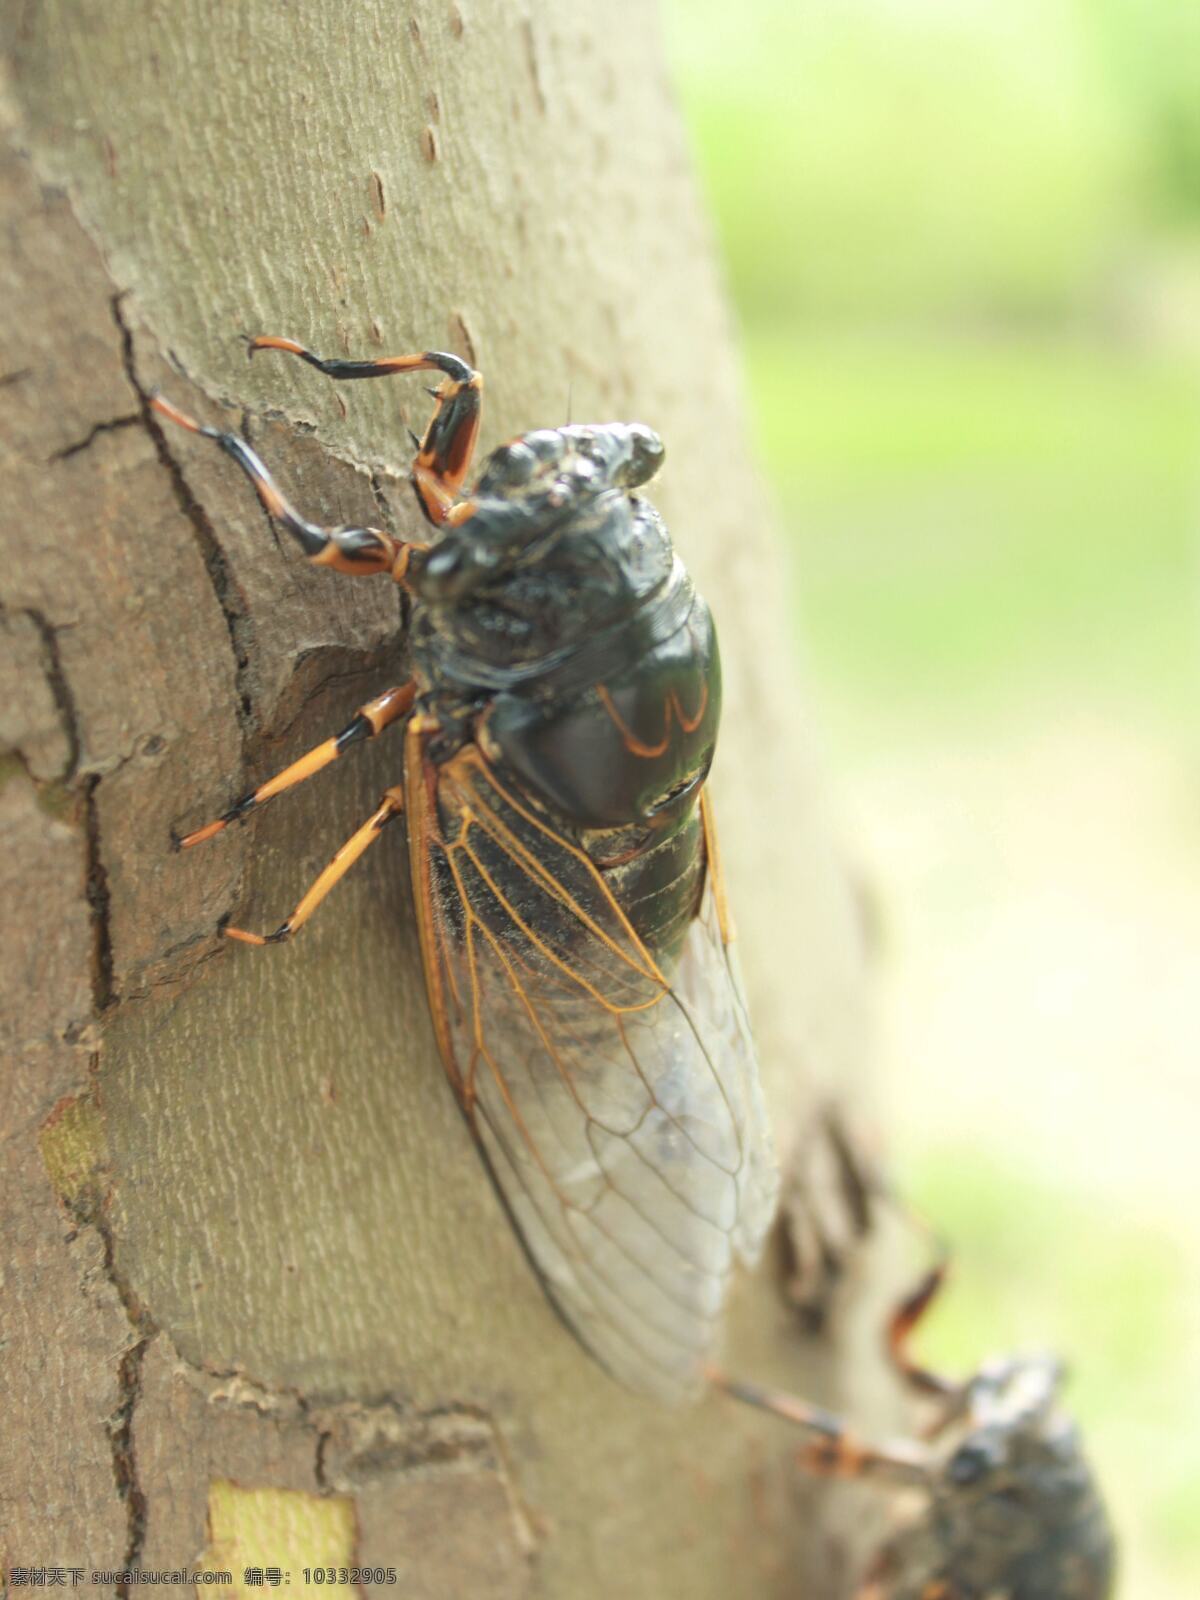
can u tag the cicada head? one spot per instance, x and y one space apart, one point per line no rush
555 545
572 463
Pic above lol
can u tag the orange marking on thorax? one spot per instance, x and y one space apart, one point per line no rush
690 724
671 707
636 746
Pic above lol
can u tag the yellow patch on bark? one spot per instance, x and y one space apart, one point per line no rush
289 1529
73 1149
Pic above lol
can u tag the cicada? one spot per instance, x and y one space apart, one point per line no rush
559 724
1006 1506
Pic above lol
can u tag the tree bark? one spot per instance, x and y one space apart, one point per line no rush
262 1305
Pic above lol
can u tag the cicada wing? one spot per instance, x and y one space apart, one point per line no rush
618 1106
709 986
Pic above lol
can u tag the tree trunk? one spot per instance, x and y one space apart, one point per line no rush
262 1306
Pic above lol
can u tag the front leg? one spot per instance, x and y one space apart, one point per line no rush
361 552
443 456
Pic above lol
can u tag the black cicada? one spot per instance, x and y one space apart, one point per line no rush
560 723
1007 1508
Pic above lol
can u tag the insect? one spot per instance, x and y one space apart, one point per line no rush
1009 1509
559 723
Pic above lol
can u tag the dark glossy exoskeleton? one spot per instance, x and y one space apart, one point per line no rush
560 723
1013 1508
1007 1508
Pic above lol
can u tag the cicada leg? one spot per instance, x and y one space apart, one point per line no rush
370 719
879 1582
361 552
953 1394
356 845
900 1327
443 455
835 1451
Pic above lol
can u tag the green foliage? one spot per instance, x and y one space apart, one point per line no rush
964 240
1151 50
967 518
991 158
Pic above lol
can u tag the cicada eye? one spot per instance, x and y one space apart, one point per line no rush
973 1460
512 465
646 454
547 444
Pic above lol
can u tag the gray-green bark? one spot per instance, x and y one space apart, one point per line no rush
261 1301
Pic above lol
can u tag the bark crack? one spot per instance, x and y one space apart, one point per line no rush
60 689
220 574
319 1477
129 1389
96 889
88 1210
93 433
99 901
129 1381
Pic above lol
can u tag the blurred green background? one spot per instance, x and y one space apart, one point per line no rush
963 239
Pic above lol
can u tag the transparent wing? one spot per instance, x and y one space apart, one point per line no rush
618 1105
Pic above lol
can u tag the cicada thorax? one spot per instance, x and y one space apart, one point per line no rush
620 765
583 663
615 766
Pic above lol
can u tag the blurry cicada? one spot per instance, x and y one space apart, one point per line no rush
1002 1503
560 723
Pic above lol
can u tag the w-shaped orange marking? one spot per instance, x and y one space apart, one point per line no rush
671 707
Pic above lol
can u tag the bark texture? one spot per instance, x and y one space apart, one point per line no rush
260 1301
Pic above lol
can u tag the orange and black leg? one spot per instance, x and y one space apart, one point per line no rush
358 551
389 808
443 456
367 721
835 1451
900 1327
